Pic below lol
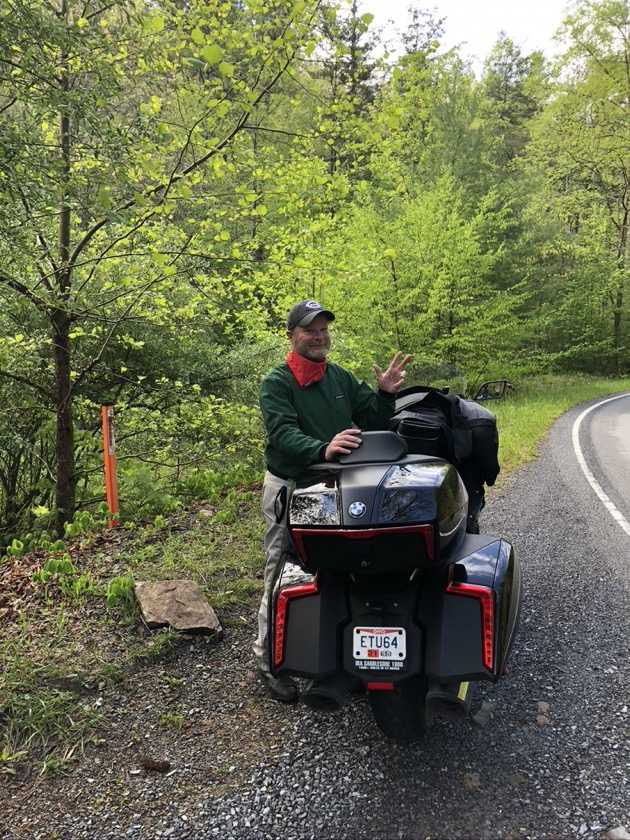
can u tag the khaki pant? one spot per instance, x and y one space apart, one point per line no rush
276 541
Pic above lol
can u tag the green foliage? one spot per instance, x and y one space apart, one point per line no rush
516 86
8 759
174 176
16 549
40 537
120 593
173 720
53 723
113 229
212 486
82 523
144 491
62 573
579 141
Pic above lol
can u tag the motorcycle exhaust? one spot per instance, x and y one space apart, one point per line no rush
450 700
327 695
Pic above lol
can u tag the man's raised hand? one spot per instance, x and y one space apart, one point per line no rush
392 380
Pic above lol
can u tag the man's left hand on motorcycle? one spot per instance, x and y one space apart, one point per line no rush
390 381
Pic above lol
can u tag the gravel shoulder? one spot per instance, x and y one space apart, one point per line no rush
193 748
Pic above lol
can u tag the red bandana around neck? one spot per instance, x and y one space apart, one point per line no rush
305 371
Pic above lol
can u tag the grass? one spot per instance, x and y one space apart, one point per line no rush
85 617
224 558
84 613
525 417
37 715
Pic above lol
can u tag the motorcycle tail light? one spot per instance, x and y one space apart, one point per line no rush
283 598
485 596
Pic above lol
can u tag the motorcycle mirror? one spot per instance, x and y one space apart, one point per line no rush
492 390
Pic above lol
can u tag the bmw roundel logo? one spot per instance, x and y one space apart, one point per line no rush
357 509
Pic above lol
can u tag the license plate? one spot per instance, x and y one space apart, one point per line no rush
379 648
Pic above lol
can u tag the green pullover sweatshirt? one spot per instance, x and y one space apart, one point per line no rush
301 422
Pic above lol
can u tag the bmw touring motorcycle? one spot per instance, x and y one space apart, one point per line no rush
389 587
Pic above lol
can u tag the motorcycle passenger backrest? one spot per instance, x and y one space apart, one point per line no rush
377 448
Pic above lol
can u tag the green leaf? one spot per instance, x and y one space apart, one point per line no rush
212 54
197 36
104 198
195 62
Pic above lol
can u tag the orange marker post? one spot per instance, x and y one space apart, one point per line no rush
109 447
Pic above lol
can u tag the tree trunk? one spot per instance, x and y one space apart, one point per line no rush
622 262
65 479
64 440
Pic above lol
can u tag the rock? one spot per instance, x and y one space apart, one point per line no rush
159 765
618 833
178 603
470 781
483 715
70 682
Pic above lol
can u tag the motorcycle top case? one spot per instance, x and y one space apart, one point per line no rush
375 518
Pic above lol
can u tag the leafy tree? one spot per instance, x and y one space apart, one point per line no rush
344 80
415 278
582 145
116 124
423 31
516 85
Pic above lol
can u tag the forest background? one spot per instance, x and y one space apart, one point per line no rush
175 175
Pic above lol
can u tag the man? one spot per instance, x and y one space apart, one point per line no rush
313 411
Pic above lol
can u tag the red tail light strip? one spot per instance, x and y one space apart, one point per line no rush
363 534
374 686
283 597
485 596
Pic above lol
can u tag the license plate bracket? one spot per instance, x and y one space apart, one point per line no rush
379 648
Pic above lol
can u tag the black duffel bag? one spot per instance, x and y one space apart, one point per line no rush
450 427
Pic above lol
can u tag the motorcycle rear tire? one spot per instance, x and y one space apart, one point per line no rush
402 714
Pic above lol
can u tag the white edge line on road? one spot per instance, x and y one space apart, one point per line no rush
614 512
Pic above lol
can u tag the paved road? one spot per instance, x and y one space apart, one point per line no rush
604 438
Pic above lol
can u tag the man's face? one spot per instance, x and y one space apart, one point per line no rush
312 341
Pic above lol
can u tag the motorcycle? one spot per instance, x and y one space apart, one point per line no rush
388 587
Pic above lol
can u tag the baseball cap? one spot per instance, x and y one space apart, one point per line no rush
303 313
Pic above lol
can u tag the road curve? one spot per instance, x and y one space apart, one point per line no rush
605 427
